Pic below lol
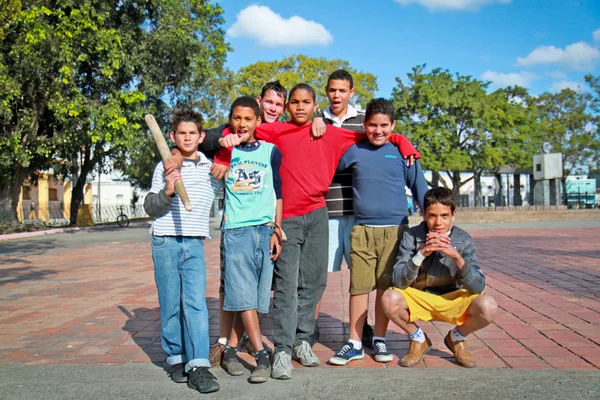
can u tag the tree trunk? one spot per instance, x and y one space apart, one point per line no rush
518 199
477 185
498 198
76 199
77 196
10 192
455 176
435 179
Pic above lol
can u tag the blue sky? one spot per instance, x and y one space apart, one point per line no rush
543 45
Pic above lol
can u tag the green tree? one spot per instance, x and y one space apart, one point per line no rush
459 127
594 84
77 77
569 128
290 71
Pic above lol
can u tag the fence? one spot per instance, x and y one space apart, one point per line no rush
53 214
109 213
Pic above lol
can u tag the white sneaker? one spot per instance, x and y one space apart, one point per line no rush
282 366
305 355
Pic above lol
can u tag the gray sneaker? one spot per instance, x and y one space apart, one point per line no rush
305 355
282 366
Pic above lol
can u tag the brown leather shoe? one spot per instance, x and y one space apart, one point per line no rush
416 351
461 352
216 354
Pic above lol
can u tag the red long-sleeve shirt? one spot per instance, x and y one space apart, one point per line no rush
307 165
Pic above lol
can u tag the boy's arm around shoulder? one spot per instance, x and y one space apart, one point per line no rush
157 202
406 148
276 159
405 270
415 180
470 275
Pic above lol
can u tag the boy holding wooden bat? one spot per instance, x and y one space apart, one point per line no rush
178 254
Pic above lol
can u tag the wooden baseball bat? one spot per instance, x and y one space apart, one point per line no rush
165 153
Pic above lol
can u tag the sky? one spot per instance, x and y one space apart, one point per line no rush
543 45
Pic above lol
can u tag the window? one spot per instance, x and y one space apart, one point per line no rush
27 192
464 200
53 194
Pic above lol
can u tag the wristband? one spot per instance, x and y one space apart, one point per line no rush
418 258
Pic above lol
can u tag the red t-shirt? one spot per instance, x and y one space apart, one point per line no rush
307 165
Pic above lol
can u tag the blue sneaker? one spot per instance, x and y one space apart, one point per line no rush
345 354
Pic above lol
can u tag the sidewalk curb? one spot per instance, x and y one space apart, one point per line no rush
24 235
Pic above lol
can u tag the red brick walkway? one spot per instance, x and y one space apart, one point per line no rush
98 305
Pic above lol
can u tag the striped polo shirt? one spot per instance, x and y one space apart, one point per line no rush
339 198
200 186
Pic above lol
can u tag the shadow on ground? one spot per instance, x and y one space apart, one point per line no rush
10 275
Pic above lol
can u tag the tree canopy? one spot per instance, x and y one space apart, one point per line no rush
458 126
290 71
77 77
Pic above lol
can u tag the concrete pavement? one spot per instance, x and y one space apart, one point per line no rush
145 381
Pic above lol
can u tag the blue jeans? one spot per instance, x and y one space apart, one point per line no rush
248 268
340 229
180 275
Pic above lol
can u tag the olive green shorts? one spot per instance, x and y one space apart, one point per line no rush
373 252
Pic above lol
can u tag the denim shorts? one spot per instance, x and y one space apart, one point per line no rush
248 268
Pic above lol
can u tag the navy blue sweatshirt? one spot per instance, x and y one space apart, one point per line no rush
379 177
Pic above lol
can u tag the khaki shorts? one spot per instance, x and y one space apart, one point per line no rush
450 307
373 252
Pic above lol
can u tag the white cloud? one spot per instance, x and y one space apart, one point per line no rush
558 86
500 79
557 75
270 29
596 34
433 5
578 56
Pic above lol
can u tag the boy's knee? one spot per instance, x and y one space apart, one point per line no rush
487 307
393 302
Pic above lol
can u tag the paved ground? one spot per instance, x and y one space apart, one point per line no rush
89 298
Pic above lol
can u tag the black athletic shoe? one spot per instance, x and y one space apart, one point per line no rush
202 380
314 338
367 336
177 373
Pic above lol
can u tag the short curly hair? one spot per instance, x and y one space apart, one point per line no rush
186 115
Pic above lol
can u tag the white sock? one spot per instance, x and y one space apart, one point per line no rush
222 340
356 343
378 338
418 336
456 336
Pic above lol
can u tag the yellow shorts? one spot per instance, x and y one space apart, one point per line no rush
450 307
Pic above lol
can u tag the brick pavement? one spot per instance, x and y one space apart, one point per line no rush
98 304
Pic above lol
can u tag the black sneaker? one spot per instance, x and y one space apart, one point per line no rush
201 379
230 362
177 373
381 352
263 368
368 333
314 338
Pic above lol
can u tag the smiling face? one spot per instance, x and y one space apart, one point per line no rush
379 128
187 138
301 106
243 123
271 105
339 94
